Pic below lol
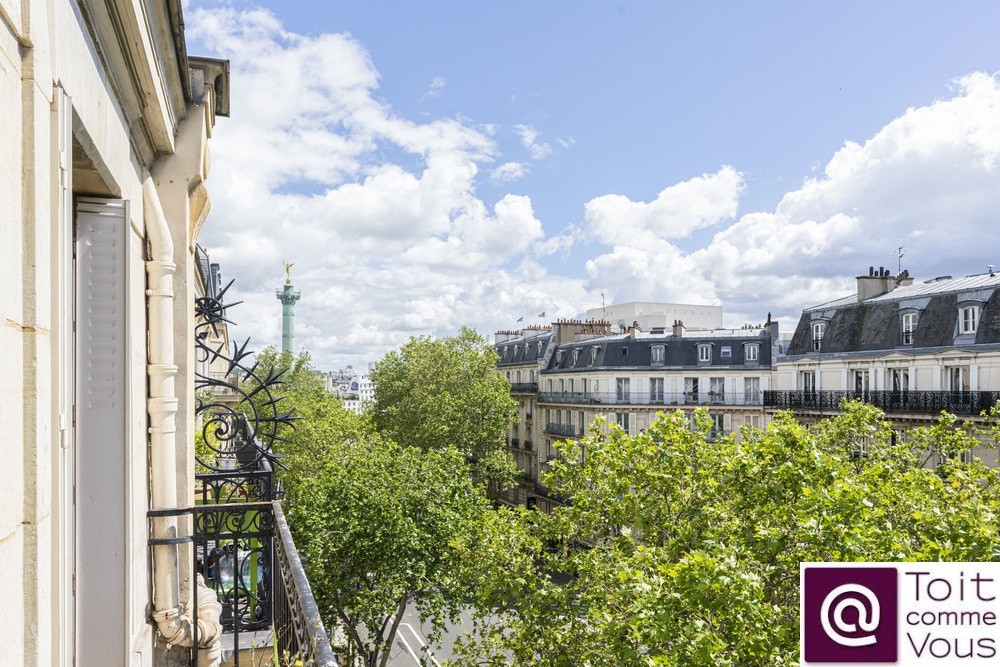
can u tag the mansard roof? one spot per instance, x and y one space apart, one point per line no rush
521 351
621 352
875 324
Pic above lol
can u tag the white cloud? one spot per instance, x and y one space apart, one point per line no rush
509 172
529 139
433 90
680 209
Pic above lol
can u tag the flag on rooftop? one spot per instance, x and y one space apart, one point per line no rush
541 314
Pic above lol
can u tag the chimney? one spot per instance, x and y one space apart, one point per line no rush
876 283
678 328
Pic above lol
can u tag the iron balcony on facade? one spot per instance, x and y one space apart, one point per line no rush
893 402
654 398
567 430
523 387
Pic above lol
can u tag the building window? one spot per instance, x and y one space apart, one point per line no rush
958 378
819 328
624 351
622 390
726 352
559 356
691 390
622 419
752 351
539 348
968 319
909 326
716 390
519 377
900 379
807 380
593 355
704 353
656 390
860 381
751 391
656 355
576 356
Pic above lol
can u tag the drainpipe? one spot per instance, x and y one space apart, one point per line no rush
172 618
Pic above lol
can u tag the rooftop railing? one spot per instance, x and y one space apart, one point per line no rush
654 398
893 402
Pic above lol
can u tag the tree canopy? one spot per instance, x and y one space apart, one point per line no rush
680 550
447 392
379 525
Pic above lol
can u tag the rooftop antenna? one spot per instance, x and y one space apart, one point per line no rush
899 260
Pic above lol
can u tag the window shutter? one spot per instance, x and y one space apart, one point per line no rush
101 437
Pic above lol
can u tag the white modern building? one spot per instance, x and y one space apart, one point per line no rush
650 315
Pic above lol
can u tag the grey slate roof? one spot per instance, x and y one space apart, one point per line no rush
522 351
625 352
875 324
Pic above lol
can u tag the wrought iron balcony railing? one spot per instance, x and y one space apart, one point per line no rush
654 398
298 628
523 387
568 430
896 402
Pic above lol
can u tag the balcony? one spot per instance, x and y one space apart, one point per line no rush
890 402
654 399
566 430
245 553
523 387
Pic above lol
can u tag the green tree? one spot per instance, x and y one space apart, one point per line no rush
693 546
378 525
439 393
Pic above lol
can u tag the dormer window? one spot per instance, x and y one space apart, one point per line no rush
539 348
819 328
751 351
704 353
726 351
593 355
656 354
908 326
968 319
559 356
576 356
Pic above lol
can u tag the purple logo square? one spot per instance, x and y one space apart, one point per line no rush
849 614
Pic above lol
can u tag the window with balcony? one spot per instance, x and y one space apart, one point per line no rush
968 319
691 390
819 328
716 390
807 381
656 390
751 352
908 326
622 390
861 378
751 391
900 379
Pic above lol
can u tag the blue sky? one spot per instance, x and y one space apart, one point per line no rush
439 164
